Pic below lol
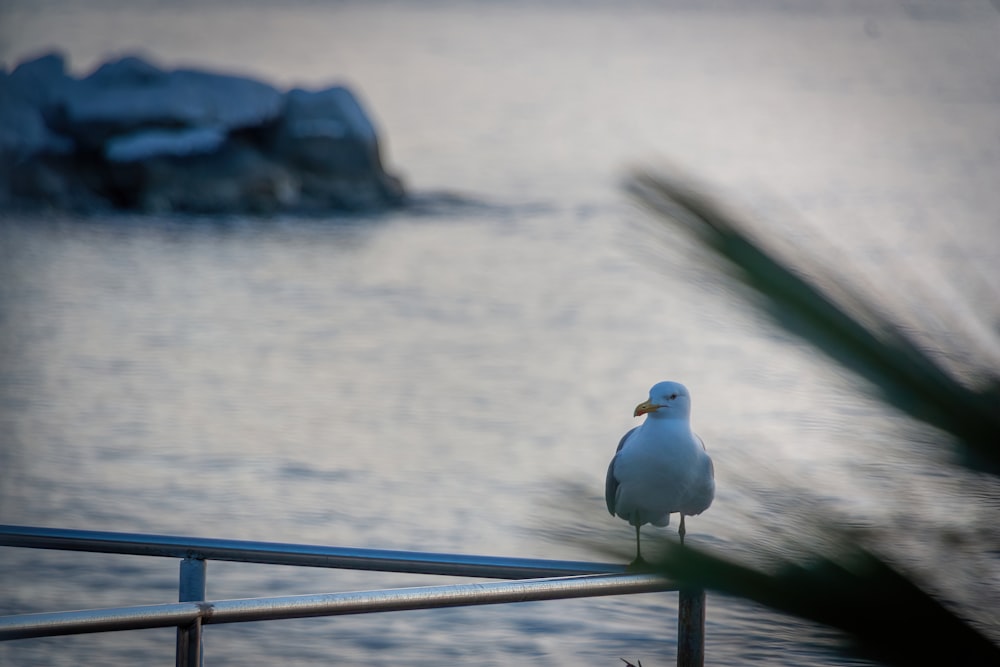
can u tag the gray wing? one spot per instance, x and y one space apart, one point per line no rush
611 482
703 492
711 465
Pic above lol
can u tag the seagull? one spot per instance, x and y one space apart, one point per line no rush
660 466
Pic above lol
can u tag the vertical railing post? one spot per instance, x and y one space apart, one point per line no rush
691 627
192 589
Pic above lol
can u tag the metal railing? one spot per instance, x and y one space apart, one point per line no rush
527 580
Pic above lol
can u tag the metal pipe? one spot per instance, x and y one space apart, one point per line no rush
331 604
461 565
191 589
691 627
52 624
193 580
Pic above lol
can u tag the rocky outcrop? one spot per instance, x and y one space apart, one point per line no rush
134 136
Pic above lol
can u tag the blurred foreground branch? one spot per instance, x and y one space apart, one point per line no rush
887 615
852 332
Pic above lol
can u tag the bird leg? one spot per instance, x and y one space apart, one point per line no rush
681 530
639 562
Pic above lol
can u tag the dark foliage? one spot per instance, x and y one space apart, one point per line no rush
884 612
850 330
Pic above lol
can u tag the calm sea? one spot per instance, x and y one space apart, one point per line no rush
455 376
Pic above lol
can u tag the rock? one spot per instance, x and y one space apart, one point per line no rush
127 71
238 179
23 94
37 81
132 135
332 143
327 131
22 131
61 182
145 144
230 101
321 193
129 94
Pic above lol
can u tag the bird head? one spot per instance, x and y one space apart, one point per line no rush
666 399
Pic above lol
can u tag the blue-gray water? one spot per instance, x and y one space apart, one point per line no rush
443 378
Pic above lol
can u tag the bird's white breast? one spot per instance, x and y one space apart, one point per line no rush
660 466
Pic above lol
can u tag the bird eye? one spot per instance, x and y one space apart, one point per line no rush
673 396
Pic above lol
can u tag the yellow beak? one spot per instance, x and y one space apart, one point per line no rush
644 407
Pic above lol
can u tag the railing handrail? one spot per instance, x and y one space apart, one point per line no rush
329 604
540 579
277 553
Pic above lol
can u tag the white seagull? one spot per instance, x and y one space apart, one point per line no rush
660 466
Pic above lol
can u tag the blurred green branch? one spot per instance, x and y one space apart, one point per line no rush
867 343
887 615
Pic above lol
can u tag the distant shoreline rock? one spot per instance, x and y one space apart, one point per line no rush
132 136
